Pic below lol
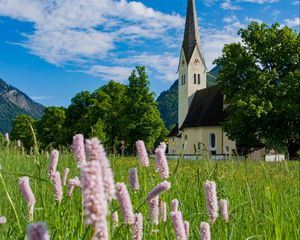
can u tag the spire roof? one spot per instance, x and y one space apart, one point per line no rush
191 33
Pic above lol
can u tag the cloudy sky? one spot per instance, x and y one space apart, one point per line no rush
52 49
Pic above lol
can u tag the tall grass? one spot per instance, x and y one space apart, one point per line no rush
264 198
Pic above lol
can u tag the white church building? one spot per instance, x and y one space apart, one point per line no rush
200 108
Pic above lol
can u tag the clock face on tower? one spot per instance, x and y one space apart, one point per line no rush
196 61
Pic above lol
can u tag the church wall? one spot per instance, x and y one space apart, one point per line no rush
187 90
175 145
229 145
199 137
196 66
183 90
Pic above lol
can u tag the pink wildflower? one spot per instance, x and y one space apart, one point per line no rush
211 200
187 228
204 231
163 146
137 227
37 231
78 144
58 192
66 173
73 182
178 225
53 163
133 179
154 209
125 202
2 220
28 195
160 188
163 211
142 153
174 205
115 218
95 151
94 201
224 209
161 163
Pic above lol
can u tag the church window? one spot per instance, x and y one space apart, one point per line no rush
227 149
195 78
212 141
183 79
198 78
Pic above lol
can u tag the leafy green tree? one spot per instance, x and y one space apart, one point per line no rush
261 81
51 130
22 127
142 116
77 115
99 114
115 123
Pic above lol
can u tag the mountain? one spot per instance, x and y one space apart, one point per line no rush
168 100
14 102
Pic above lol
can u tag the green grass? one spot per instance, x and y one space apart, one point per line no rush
264 198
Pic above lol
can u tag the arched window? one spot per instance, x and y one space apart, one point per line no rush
227 149
182 79
212 141
195 78
198 78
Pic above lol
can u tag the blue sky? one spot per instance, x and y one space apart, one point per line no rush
53 49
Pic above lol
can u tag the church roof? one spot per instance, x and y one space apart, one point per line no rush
174 132
191 33
206 109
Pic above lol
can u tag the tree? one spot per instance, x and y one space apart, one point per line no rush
22 127
115 116
99 114
143 120
261 81
51 130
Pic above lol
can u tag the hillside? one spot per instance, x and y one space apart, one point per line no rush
168 100
14 102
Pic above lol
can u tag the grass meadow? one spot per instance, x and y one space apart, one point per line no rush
264 198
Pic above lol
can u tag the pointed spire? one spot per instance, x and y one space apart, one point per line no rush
191 33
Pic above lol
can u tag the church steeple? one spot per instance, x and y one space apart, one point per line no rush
191 33
192 68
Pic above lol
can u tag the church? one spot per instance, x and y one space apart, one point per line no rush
200 108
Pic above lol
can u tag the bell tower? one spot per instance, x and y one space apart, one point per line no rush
192 68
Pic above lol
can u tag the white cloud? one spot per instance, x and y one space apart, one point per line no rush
294 22
116 73
39 98
227 5
249 19
88 34
166 64
230 19
296 2
214 40
259 1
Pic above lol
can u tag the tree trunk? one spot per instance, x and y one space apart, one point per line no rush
294 149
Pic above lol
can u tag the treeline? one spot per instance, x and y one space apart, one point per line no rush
114 113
